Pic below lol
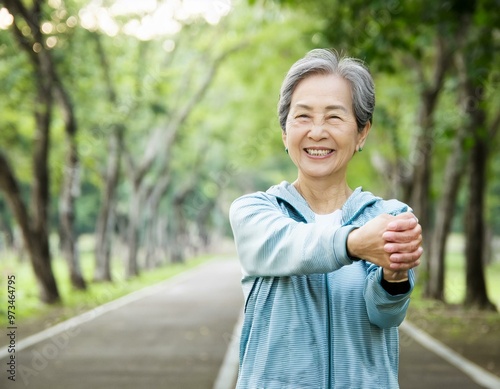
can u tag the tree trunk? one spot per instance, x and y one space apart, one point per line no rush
421 160
202 221
105 220
71 185
6 228
468 62
420 186
37 235
178 241
41 200
444 216
154 199
49 86
67 216
476 295
36 244
452 176
422 163
104 226
149 237
162 231
133 232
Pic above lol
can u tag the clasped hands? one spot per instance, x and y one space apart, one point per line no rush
391 242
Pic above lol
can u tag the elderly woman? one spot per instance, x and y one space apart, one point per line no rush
326 269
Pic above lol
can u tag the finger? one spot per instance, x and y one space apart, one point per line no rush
403 236
401 258
404 266
403 222
409 247
405 215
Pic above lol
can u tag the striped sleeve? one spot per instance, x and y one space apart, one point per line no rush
385 310
270 243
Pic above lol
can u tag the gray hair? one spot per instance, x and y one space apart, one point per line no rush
322 61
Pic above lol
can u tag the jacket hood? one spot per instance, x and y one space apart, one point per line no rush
287 193
355 205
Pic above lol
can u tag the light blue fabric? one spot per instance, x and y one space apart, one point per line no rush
314 317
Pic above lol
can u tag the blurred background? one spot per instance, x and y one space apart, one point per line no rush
127 128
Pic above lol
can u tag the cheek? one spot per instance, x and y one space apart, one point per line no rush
291 136
350 138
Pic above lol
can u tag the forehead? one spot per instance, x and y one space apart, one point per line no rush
322 90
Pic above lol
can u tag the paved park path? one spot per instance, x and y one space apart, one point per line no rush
174 335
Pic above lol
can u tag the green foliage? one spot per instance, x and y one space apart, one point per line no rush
234 133
231 141
16 118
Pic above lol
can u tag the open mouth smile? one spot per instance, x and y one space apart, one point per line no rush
318 152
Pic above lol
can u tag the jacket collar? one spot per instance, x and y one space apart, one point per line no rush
352 208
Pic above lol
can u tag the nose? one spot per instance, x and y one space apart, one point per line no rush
317 130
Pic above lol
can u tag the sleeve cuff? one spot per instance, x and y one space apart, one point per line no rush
394 288
340 245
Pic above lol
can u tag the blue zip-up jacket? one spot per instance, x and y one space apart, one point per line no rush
314 317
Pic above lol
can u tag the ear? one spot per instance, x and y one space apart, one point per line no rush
283 137
363 135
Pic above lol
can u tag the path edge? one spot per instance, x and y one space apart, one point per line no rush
92 314
478 374
228 373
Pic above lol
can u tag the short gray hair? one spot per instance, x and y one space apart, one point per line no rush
323 61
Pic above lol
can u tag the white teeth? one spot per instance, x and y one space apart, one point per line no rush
318 153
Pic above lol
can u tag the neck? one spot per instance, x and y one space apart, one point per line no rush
323 196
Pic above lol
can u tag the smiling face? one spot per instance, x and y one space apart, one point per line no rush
321 132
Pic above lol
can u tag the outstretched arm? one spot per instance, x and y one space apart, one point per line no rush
270 243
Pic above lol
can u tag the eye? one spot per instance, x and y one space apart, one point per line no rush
302 118
333 118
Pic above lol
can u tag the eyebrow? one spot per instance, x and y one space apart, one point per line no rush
328 108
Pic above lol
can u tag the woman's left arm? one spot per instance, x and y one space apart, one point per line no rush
384 309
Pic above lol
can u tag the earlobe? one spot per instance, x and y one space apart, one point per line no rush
363 135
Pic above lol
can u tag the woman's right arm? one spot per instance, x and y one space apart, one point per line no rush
270 243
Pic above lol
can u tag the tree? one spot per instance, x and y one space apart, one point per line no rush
5 228
105 221
35 229
156 103
453 173
474 66
71 185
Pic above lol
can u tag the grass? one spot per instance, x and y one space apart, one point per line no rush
455 277
455 280
455 274
28 305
